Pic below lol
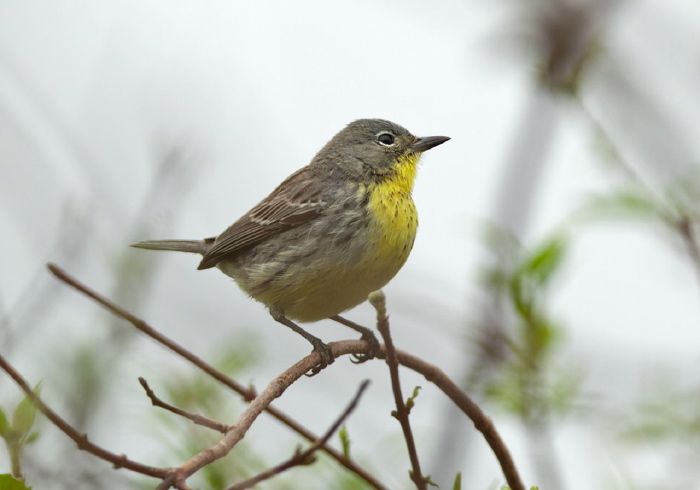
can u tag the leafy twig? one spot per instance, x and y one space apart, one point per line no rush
481 421
378 300
118 460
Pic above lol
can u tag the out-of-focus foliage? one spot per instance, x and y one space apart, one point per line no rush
344 437
8 482
530 379
664 413
19 431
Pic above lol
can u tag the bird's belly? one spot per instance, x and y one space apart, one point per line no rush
335 290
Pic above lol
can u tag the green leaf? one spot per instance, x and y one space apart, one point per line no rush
8 482
429 481
24 416
32 437
411 402
544 260
4 424
345 440
625 204
543 334
457 485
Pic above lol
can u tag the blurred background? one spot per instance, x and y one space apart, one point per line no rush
555 275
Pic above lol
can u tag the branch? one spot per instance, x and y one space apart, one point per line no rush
175 477
195 418
301 458
378 300
246 393
684 227
237 430
117 460
431 372
481 421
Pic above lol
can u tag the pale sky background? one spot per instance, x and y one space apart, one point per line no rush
93 93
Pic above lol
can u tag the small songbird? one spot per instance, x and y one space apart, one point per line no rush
329 235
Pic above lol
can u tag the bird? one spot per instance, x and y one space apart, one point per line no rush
330 234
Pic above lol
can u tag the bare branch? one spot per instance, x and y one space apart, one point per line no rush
246 393
237 430
481 421
117 460
378 300
684 227
302 457
195 418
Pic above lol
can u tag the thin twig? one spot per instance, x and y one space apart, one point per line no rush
246 393
684 227
378 300
302 457
481 421
195 418
117 460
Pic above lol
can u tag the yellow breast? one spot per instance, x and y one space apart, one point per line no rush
394 213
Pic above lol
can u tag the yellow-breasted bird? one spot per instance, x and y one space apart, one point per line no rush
330 234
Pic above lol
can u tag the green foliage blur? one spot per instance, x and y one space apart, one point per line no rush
8 482
18 432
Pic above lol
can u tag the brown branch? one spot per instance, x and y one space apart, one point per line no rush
431 372
378 300
684 227
237 430
481 421
117 460
195 418
246 393
302 457
175 477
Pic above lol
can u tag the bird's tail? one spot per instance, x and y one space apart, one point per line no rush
190 246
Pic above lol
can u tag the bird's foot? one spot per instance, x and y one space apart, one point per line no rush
326 353
371 339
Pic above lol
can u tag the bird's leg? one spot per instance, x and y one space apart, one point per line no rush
367 335
323 349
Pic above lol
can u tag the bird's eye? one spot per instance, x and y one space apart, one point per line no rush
386 139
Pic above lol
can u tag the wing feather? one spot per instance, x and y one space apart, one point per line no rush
296 201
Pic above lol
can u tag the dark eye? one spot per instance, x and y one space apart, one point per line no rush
386 139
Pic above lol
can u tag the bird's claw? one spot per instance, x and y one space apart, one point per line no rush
369 337
326 353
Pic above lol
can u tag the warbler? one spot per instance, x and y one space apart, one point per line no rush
329 235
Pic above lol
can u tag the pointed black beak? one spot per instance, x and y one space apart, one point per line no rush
428 142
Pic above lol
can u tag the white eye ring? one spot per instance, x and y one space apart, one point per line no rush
386 139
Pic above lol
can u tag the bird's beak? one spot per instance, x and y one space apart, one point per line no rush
428 142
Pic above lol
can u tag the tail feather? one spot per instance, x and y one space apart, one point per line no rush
189 246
